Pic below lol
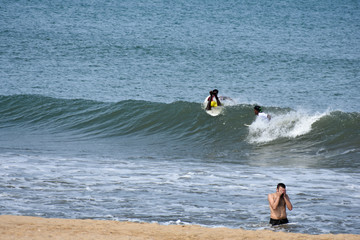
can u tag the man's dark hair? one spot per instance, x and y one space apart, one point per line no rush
280 185
258 108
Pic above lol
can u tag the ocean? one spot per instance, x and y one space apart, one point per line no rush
101 111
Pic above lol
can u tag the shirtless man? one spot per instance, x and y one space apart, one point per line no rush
278 202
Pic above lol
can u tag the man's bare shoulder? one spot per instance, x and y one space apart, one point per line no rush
272 195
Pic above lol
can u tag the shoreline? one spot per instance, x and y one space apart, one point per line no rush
24 227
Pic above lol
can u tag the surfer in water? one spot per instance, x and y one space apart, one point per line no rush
278 203
213 100
258 112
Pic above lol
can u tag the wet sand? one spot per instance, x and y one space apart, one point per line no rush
21 227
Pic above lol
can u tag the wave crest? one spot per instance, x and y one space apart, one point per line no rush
288 125
184 121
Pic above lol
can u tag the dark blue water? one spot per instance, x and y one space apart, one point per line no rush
101 111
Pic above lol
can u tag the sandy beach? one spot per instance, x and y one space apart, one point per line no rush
21 227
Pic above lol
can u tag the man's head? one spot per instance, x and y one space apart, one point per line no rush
215 91
281 188
257 109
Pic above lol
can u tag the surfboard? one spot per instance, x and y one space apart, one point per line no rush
214 111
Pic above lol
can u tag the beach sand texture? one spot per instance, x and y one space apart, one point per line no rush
21 227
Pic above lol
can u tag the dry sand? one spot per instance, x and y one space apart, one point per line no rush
19 227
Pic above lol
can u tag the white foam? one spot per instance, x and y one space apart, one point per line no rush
289 125
177 222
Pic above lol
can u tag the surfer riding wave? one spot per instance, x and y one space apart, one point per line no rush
213 100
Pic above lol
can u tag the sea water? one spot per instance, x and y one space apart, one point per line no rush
101 111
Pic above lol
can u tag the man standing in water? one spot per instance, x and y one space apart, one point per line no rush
278 202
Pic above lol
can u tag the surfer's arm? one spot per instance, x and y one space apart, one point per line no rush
208 106
217 100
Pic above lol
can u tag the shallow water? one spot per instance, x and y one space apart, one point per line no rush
179 191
